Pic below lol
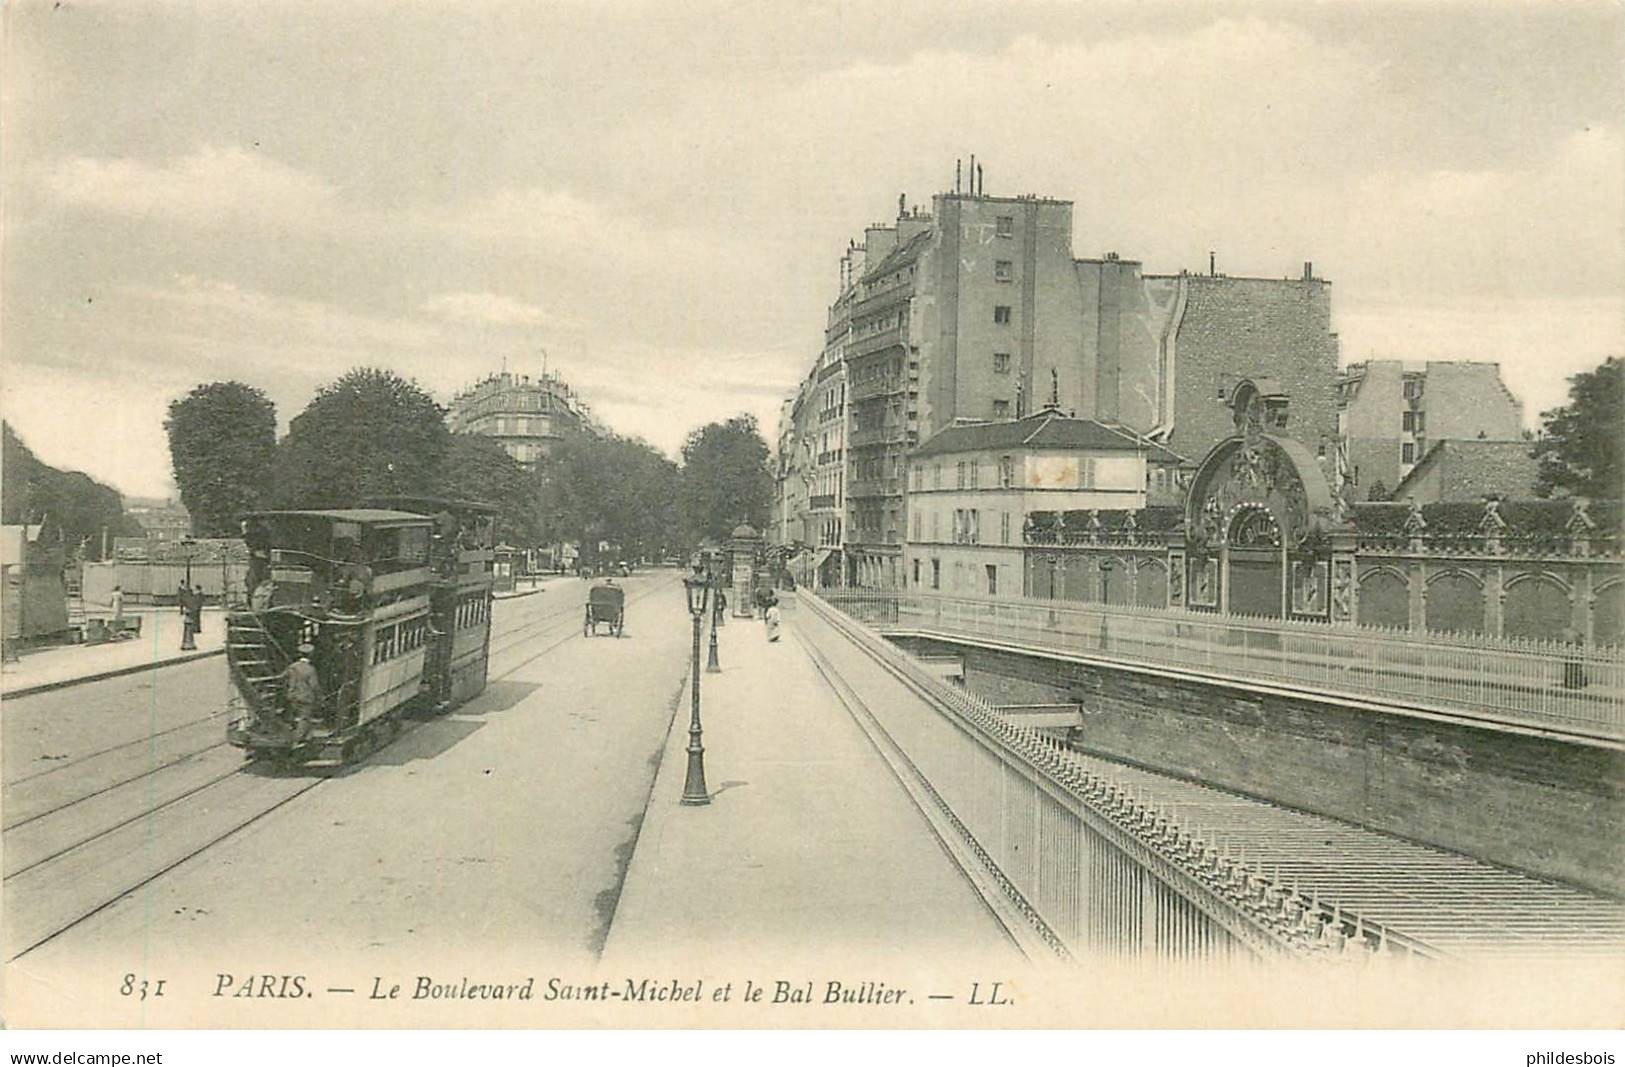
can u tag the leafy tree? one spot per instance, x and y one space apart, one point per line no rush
609 488
73 506
1379 491
1580 443
726 478
370 433
222 442
478 468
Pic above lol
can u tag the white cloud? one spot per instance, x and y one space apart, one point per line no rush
490 309
211 186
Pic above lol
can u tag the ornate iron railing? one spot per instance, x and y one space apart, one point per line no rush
1552 685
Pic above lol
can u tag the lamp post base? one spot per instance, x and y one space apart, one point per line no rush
694 791
711 664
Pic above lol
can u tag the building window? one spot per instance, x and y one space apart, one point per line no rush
973 527
1007 471
992 580
1001 409
936 476
1407 421
1413 389
1086 473
916 570
936 574
1001 363
1004 527
1407 453
1005 225
959 471
974 476
1001 314
1003 270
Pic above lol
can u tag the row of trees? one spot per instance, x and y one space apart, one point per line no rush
74 507
373 433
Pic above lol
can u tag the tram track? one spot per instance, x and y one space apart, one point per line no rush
31 803
57 877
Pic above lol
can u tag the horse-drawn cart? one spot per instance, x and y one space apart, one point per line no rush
606 605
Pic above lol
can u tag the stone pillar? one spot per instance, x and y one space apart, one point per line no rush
1416 572
1345 580
744 545
1495 595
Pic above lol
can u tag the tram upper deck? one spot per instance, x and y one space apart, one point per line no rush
337 561
463 546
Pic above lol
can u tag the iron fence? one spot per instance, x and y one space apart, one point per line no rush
1577 689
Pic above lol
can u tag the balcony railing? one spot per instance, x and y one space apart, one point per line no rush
881 435
875 342
883 386
1576 689
821 503
868 487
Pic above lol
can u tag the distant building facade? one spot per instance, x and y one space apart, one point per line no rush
1390 412
978 310
973 486
527 416
1460 472
160 520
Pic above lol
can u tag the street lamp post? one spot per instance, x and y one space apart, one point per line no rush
694 791
190 545
711 664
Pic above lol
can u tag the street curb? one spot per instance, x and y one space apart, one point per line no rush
517 596
46 687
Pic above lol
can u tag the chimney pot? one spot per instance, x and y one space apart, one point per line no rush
1308 270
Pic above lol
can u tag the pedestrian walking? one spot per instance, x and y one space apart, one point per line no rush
117 603
302 687
772 616
183 597
197 609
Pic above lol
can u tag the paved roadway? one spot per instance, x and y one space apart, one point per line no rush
506 823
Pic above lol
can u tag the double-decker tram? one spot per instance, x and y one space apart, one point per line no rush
356 617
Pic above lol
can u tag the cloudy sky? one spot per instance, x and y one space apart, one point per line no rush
656 194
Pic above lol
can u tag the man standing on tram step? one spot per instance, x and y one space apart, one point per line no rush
303 688
183 597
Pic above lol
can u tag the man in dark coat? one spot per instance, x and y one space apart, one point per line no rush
189 619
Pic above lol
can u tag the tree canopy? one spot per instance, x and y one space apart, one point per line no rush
479 468
1580 443
222 443
726 478
71 505
370 433
614 489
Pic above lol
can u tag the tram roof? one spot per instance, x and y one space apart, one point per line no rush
365 516
428 505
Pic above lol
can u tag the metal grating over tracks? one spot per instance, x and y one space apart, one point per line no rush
1457 905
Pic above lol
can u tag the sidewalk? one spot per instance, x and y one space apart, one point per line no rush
809 851
159 643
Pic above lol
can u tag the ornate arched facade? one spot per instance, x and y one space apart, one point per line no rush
1259 521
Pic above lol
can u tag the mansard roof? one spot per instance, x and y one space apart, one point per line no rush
1046 430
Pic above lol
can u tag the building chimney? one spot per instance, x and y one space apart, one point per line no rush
1212 264
981 186
956 175
972 174
1308 271
902 205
